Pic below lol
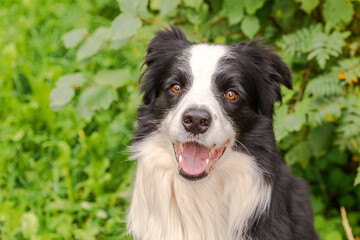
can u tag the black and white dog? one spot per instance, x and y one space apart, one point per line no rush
207 164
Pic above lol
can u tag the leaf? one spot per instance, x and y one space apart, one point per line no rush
336 157
134 7
337 12
323 110
71 80
61 96
233 10
308 5
193 3
333 235
124 26
99 97
164 6
292 122
90 47
348 131
324 86
350 67
155 4
134 101
102 33
94 44
250 26
322 46
252 6
118 43
197 17
29 225
279 129
314 42
168 6
357 178
95 98
318 207
320 138
18 136
128 6
297 43
283 12
298 154
73 38
114 78
302 109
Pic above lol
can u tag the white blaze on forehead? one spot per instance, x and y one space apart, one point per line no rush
203 62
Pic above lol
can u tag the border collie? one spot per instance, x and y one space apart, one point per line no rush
207 164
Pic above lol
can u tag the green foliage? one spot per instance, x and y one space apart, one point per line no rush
233 11
124 26
324 86
250 26
74 37
313 42
350 67
308 5
69 83
348 136
331 13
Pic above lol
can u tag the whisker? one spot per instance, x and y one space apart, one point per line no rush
243 146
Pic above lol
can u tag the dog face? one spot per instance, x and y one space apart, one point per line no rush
197 126
206 99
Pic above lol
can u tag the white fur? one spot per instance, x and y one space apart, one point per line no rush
164 205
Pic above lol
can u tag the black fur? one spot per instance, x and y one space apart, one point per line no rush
160 61
255 73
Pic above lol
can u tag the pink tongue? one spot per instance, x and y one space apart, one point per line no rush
194 158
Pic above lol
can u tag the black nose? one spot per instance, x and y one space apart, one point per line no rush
196 121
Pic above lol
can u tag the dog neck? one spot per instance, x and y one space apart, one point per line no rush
164 206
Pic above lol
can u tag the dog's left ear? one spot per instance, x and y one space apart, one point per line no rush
267 71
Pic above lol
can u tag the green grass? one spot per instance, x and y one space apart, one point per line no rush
61 177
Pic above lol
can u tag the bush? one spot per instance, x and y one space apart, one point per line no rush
69 94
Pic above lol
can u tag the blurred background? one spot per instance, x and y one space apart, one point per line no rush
69 78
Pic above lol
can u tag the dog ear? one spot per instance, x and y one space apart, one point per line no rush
266 71
160 51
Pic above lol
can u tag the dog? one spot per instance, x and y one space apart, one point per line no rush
207 162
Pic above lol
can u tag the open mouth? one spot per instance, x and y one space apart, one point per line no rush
195 161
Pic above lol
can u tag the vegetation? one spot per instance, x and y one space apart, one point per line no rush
69 76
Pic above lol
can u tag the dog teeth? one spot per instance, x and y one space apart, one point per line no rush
180 159
207 161
211 152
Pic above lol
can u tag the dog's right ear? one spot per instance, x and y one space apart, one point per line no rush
160 51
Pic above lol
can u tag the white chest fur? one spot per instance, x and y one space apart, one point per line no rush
164 206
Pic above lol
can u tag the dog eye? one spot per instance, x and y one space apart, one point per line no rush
176 88
231 95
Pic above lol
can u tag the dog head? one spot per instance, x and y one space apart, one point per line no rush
204 98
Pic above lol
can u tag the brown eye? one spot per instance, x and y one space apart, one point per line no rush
176 88
231 95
